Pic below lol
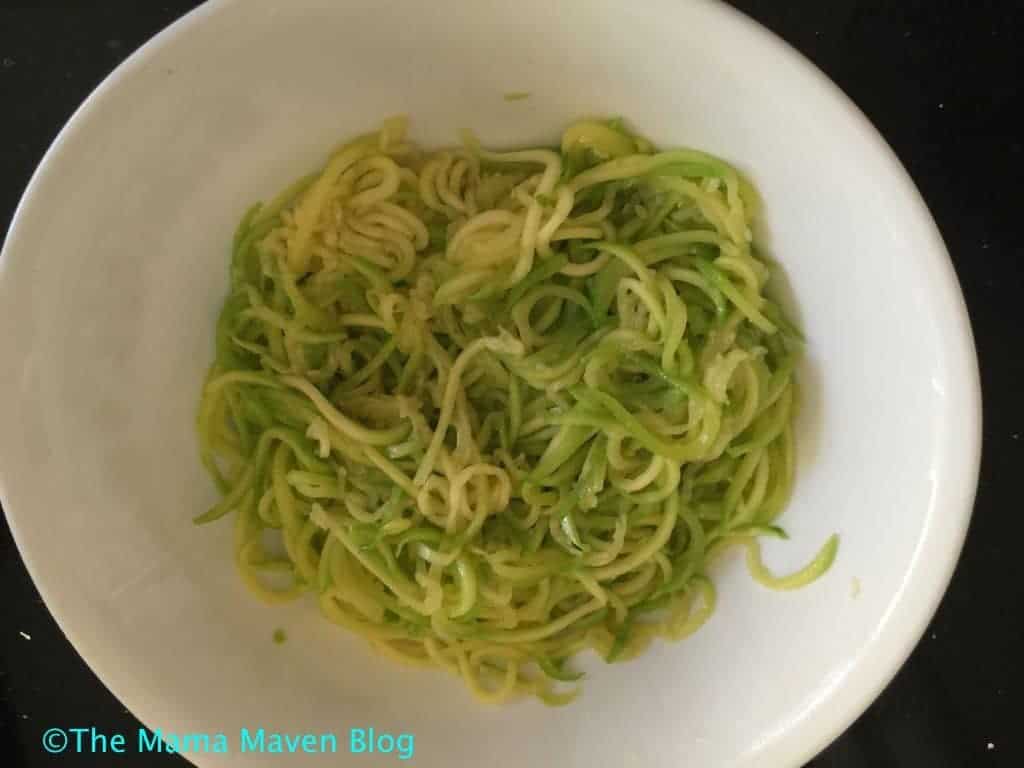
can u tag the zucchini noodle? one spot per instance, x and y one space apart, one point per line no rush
496 408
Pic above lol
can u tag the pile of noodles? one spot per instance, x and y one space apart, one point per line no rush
494 408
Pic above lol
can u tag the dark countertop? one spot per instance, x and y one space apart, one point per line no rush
939 78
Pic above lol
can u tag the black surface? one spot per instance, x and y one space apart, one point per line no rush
940 81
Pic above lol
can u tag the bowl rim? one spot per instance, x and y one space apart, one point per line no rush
943 536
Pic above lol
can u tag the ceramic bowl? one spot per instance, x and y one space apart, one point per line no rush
116 264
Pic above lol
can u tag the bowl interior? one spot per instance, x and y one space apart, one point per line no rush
117 263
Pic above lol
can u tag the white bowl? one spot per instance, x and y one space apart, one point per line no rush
116 265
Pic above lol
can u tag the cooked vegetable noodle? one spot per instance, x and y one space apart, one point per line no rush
495 408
